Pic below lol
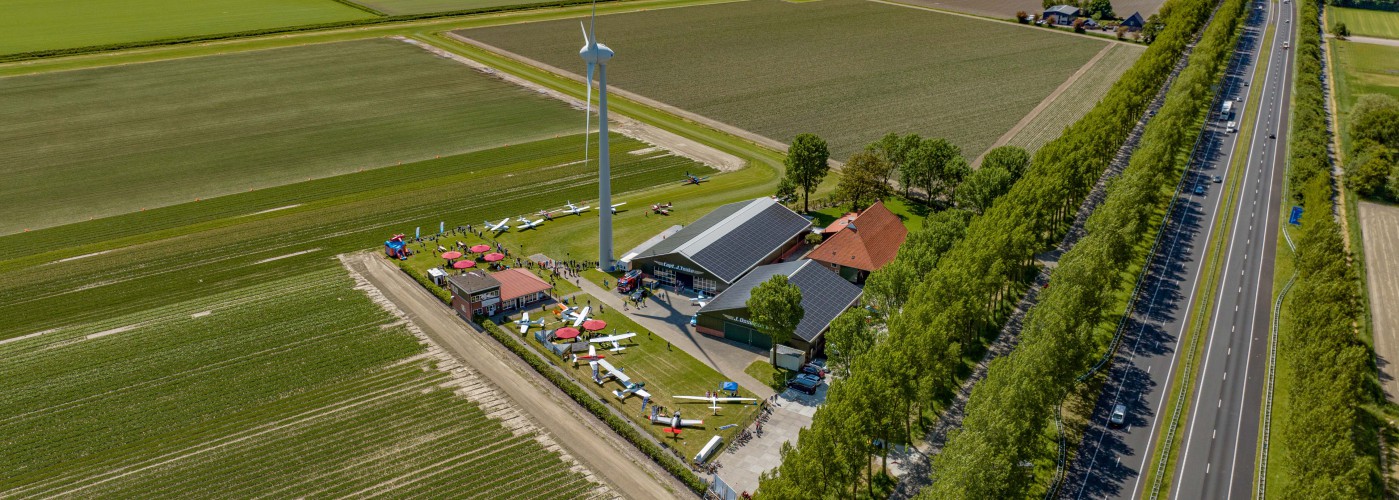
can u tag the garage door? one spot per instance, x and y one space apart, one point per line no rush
735 331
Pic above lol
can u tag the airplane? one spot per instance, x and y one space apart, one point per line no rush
576 210
715 400
564 311
615 205
578 317
691 179
526 224
591 357
525 323
661 208
547 215
498 227
700 300
629 387
674 423
616 341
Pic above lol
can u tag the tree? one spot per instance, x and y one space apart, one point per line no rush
786 189
1078 24
807 165
954 172
1369 169
896 150
776 307
982 188
862 180
1012 158
930 162
1022 17
1375 117
1341 31
849 336
1100 9
1151 29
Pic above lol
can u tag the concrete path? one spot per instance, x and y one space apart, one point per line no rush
591 441
671 320
792 411
1369 39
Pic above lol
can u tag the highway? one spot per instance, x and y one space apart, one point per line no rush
1219 440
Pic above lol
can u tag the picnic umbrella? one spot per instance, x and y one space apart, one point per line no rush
480 249
566 333
463 264
594 325
451 255
493 257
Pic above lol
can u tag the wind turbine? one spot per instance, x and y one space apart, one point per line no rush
596 54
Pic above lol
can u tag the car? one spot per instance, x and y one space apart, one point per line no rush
1217 179
806 383
694 320
1119 415
1199 189
813 369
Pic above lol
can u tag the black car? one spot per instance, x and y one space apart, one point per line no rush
813 369
806 383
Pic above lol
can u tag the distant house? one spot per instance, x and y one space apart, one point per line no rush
860 244
1061 14
476 292
1134 22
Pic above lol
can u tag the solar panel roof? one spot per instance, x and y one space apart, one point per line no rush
735 237
824 293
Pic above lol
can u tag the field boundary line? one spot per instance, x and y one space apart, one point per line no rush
1044 104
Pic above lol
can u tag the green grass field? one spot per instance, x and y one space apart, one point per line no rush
104 141
397 7
34 25
1078 99
1362 22
667 372
296 386
1362 68
847 70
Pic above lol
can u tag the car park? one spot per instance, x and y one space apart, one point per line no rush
806 383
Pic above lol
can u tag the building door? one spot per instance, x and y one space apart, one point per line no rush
685 280
742 333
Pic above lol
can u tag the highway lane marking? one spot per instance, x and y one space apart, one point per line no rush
1220 405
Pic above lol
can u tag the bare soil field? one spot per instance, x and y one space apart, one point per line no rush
1380 225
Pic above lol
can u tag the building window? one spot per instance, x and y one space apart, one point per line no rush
706 284
663 275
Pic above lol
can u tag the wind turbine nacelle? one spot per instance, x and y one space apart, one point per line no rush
601 56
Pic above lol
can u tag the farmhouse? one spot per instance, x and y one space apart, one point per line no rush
1061 14
713 252
858 244
824 296
1134 22
476 292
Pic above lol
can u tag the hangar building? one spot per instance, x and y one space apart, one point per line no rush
715 251
824 296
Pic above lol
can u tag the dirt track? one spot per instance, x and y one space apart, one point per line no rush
629 472
1380 224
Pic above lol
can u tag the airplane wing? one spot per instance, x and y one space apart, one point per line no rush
615 205
611 370
583 316
727 400
642 393
696 398
524 327
613 338
684 422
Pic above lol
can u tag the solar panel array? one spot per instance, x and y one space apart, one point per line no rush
734 237
824 293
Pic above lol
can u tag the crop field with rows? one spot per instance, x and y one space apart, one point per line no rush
1078 99
397 7
104 141
884 68
32 25
297 386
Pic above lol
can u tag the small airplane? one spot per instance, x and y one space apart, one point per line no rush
564 311
615 205
691 179
700 300
674 423
575 210
714 400
592 355
547 215
525 323
616 341
578 317
661 208
526 224
628 386
498 227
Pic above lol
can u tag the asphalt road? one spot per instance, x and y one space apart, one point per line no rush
1111 460
630 473
1218 456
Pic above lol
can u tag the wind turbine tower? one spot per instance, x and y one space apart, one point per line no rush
596 54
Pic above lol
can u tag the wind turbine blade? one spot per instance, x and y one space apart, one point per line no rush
586 41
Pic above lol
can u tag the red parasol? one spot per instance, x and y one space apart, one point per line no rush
566 333
451 255
492 257
463 264
480 249
594 325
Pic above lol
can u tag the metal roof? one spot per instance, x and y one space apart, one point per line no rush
733 238
1067 10
824 293
472 282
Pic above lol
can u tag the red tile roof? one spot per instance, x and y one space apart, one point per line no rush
516 283
871 243
840 223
